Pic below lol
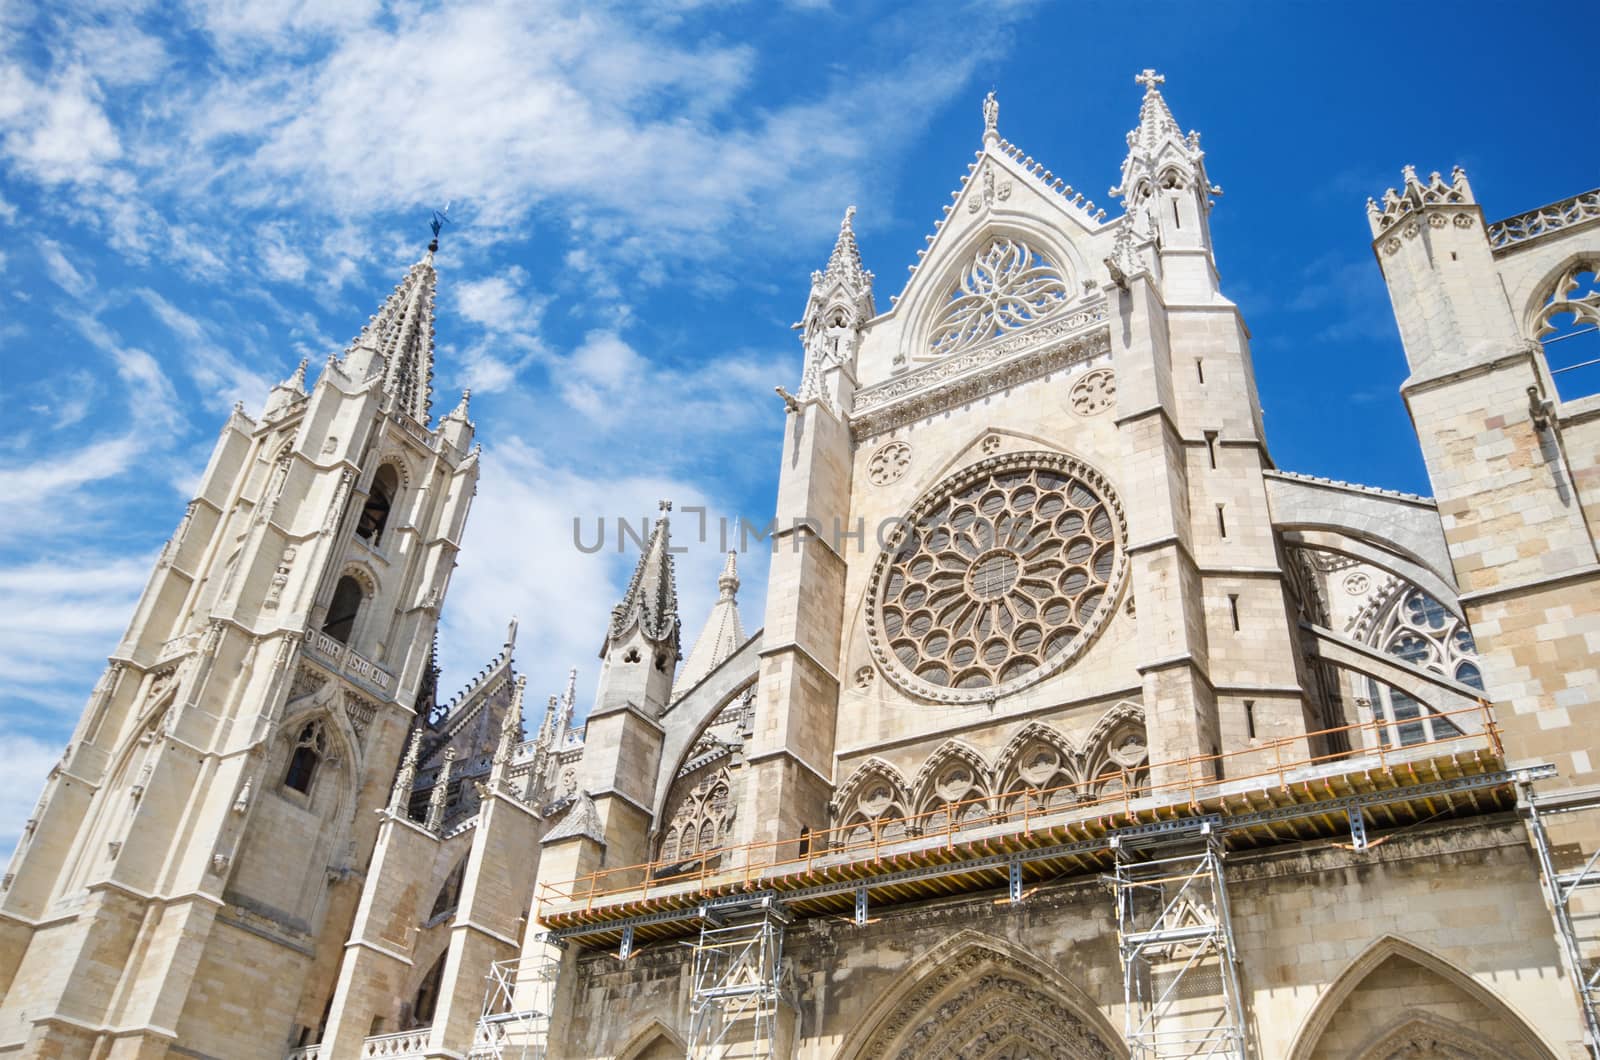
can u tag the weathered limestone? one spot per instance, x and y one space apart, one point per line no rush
1031 557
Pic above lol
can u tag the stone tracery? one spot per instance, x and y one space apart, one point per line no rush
1005 577
1008 285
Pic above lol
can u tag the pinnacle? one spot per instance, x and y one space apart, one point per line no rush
845 261
651 600
722 635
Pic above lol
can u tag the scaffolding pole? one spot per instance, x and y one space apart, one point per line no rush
1179 977
738 981
1560 889
515 1024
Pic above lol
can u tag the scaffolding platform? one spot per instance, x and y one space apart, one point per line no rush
739 979
1175 938
1335 797
1569 872
517 1002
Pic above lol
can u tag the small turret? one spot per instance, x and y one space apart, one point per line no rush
839 305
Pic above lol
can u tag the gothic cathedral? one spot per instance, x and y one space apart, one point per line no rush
1074 727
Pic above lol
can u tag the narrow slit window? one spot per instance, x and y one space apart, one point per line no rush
1200 370
1249 711
1233 610
1222 521
1211 447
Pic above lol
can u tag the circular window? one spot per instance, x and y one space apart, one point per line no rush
999 578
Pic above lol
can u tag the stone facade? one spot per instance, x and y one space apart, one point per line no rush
1042 615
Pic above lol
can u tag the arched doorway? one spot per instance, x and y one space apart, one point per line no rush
1397 1001
979 999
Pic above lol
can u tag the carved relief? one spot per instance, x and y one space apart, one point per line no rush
360 713
1094 392
889 463
1002 1012
985 369
280 579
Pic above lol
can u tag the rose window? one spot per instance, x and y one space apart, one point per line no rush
1001 577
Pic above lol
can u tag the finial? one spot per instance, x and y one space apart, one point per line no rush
1149 79
849 218
991 116
439 220
728 582
511 632
664 505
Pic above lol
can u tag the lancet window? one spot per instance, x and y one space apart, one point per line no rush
309 751
701 823
1423 632
380 499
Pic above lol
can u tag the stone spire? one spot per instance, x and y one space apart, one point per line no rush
722 635
401 333
569 701
651 602
1158 143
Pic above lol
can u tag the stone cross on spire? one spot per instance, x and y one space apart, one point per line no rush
1149 79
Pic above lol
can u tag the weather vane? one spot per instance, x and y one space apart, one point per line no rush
440 219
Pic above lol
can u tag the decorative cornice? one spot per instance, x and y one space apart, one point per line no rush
982 370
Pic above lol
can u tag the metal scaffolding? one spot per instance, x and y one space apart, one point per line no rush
1179 978
515 1024
1561 888
738 980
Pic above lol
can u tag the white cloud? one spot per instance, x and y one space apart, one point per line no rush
64 274
55 131
519 558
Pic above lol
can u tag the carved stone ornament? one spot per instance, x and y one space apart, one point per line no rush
360 713
889 463
1008 285
997 1014
984 369
1013 568
863 679
1094 392
991 445
1357 583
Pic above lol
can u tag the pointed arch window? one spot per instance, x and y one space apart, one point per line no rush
1423 632
380 500
348 596
309 751
1568 327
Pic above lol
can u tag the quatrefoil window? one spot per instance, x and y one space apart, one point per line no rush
1007 573
1008 285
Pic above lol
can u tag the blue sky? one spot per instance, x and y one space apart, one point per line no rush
198 195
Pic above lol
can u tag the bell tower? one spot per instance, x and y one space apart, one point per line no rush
198 849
